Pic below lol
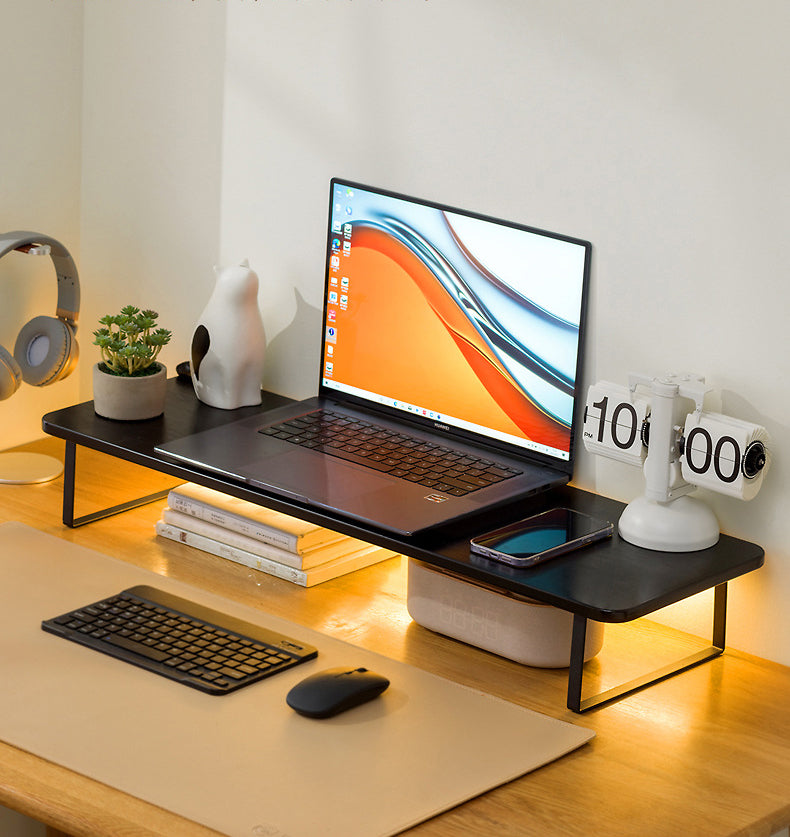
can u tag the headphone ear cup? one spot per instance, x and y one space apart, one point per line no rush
46 351
10 374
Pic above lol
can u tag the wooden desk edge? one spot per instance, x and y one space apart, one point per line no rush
74 805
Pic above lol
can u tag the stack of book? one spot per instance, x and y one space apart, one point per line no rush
262 539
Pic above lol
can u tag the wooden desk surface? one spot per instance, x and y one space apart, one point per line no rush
705 753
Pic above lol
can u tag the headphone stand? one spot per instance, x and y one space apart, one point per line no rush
27 468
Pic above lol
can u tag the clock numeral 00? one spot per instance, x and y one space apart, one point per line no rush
713 454
724 454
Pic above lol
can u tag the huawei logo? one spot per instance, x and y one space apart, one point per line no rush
441 426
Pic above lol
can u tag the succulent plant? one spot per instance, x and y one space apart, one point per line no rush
130 342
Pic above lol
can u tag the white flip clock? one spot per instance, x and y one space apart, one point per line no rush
662 425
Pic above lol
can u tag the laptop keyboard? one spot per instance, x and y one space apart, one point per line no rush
179 639
395 453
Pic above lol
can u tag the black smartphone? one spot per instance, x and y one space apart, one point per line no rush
541 536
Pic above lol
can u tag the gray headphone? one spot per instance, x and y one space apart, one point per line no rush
46 348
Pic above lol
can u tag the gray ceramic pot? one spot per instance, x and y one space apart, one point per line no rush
129 399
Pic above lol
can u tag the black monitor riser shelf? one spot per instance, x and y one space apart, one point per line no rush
580 583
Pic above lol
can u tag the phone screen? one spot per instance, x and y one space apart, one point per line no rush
541 536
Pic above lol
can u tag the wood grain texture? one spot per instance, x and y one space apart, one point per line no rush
706 752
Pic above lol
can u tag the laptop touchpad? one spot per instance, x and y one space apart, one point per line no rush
317 478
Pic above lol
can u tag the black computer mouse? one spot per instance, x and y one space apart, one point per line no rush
334 690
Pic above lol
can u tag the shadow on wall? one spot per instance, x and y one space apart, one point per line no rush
291 357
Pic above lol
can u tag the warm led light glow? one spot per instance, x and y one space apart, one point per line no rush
693 615
674 722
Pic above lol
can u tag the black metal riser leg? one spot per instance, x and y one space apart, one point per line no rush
69 488
576 672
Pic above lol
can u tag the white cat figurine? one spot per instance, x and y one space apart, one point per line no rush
229 343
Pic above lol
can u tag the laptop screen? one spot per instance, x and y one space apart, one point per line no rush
458 319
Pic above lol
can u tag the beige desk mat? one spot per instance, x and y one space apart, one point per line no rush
244 763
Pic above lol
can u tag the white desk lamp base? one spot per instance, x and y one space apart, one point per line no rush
26 468
681 525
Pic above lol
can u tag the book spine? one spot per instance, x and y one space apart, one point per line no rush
232 538
232 553
212 514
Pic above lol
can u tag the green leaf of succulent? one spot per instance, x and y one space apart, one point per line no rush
158 338
128 342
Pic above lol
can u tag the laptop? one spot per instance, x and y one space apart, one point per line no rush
457 336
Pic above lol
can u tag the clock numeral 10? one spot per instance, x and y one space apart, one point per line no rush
613 422
616 425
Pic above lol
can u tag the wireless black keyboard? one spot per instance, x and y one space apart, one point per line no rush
179 639
398 454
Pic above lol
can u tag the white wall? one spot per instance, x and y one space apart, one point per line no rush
658 131
40 100
152 128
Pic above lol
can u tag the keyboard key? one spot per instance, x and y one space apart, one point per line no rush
138 648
